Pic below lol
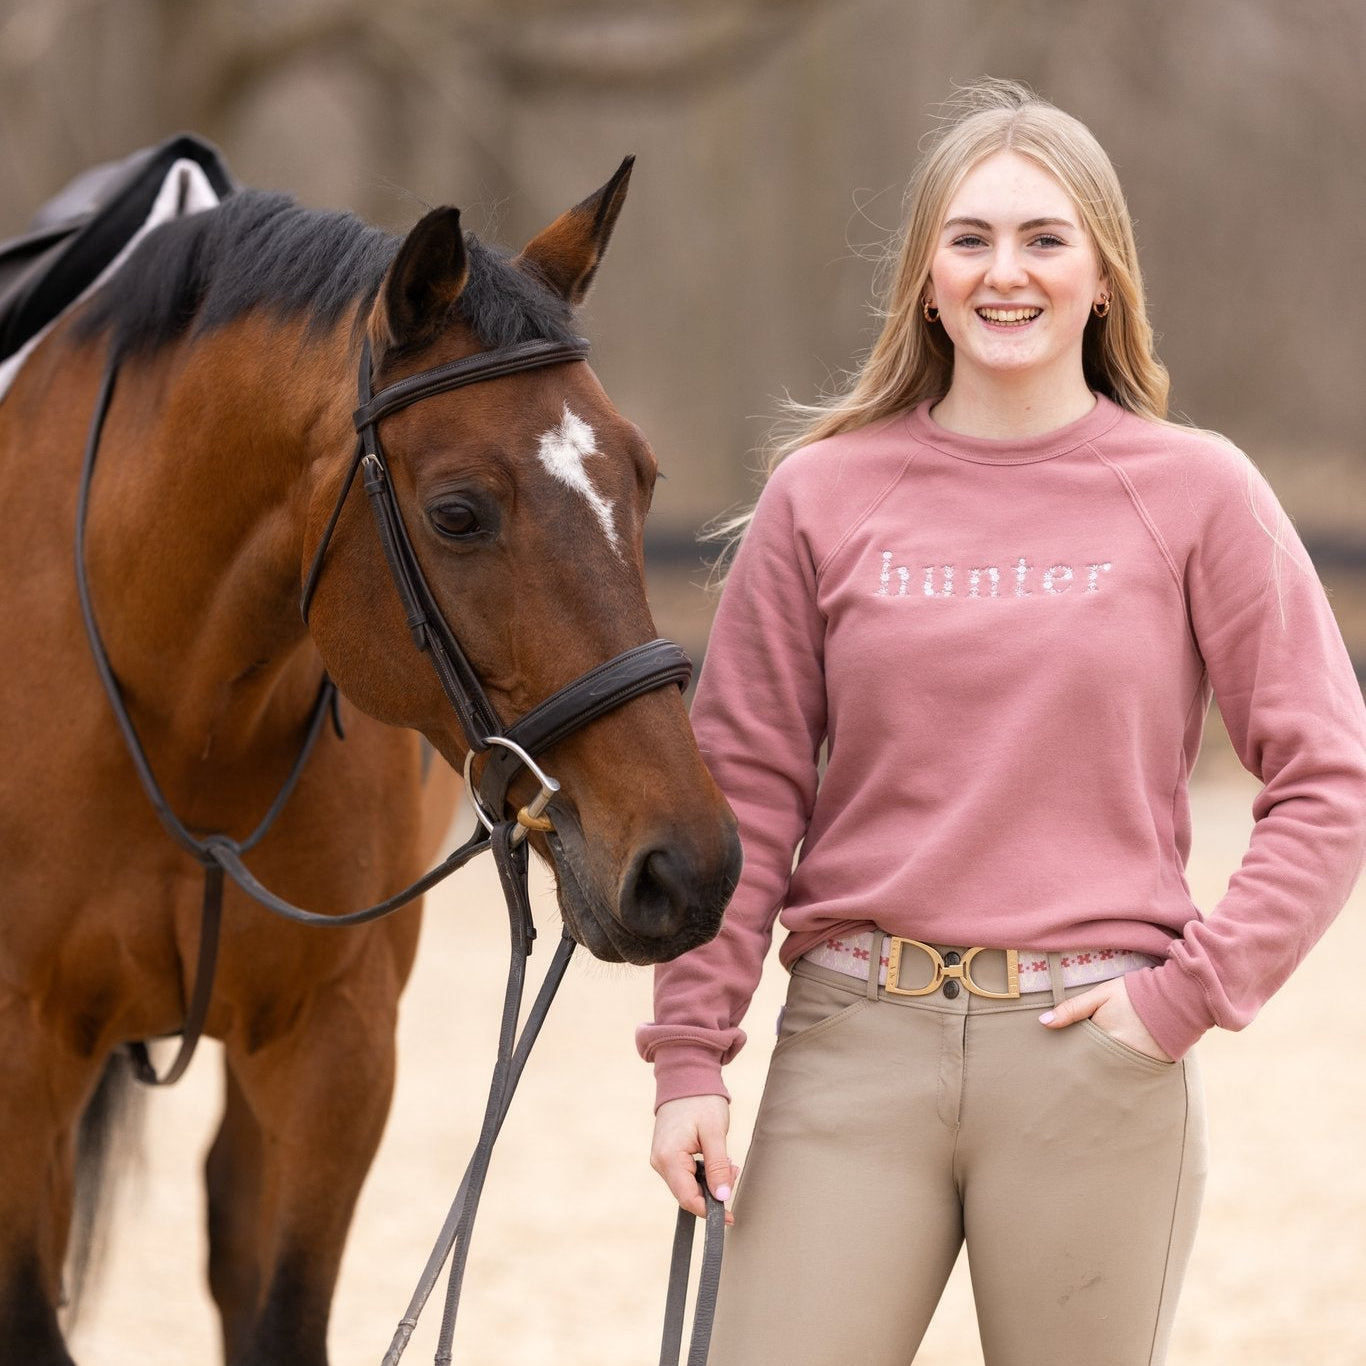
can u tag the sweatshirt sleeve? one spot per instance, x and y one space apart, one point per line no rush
759 715
1293 710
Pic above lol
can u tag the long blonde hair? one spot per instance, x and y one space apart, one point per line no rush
912 359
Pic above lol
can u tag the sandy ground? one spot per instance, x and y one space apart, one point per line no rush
570 1255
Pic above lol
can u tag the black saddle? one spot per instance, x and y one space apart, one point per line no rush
78 232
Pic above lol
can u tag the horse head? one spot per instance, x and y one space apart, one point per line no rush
523 498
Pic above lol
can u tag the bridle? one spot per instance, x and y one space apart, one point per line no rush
630 674
602 689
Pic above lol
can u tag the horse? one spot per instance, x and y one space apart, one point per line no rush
223 489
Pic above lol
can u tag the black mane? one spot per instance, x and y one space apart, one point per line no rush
259 250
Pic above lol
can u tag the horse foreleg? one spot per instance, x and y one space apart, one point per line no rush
41 1091
233 1177
304 1119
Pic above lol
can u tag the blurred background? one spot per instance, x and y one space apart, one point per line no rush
774 138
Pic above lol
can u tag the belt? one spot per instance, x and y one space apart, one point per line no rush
910 968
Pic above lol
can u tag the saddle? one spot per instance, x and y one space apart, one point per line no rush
80 232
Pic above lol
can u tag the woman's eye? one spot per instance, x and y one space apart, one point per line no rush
968 240
455 519
1049 240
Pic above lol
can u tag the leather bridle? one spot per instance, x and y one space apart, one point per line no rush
602 689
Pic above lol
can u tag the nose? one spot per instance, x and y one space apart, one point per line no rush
654 900
673 894
1006 268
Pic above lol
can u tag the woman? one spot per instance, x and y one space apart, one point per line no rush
998 589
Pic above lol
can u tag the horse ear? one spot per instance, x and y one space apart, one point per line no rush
421 286
566 255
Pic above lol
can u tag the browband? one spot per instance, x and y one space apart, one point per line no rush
455 374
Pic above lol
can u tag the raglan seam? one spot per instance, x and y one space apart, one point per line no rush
878 499
1141 508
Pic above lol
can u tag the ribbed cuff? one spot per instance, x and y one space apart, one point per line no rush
687 1070
1172 1006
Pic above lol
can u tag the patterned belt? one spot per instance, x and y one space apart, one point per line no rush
919 969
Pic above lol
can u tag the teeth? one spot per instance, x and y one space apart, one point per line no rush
1008 315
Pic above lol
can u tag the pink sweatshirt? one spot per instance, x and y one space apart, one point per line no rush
1008 648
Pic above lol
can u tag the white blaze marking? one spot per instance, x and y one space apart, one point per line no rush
563 451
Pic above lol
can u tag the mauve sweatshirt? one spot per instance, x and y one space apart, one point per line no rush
1007 650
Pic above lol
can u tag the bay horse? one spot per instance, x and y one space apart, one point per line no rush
238 333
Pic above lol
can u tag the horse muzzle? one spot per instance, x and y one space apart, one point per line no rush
660 898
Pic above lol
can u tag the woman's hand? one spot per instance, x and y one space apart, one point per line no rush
1109 1006
685 1129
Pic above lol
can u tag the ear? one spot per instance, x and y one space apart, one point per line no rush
567 254
425 280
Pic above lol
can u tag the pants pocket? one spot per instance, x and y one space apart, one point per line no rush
1121 1052
814 1008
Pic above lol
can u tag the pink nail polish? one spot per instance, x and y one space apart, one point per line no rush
723 1192
1047 1017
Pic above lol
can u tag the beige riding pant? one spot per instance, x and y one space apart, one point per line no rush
893 1130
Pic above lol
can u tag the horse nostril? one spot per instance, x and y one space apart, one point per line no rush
654 896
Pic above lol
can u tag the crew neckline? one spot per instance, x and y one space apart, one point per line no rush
1023 450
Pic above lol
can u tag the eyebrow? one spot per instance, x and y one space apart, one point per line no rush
1028 226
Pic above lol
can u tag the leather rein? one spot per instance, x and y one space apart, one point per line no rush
630 674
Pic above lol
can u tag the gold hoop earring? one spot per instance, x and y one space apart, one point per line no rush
1102 308
930 312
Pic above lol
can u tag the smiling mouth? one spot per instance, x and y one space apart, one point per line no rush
1008 317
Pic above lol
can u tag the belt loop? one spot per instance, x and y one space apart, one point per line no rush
1055 977
875 961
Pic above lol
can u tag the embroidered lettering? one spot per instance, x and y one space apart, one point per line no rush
885 578
947 590
984 580
993 576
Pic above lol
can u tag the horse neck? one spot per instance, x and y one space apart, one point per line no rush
198 520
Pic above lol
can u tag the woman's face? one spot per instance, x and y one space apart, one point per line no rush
1014 275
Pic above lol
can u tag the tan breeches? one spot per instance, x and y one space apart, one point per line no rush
893 1130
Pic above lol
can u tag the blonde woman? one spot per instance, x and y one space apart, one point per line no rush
998 589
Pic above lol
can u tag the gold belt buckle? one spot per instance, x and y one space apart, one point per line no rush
961 972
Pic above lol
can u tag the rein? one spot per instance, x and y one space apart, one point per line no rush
514 1049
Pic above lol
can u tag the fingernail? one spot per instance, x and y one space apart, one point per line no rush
1047 1017
723 1192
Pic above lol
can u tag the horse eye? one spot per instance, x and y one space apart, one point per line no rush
455 519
